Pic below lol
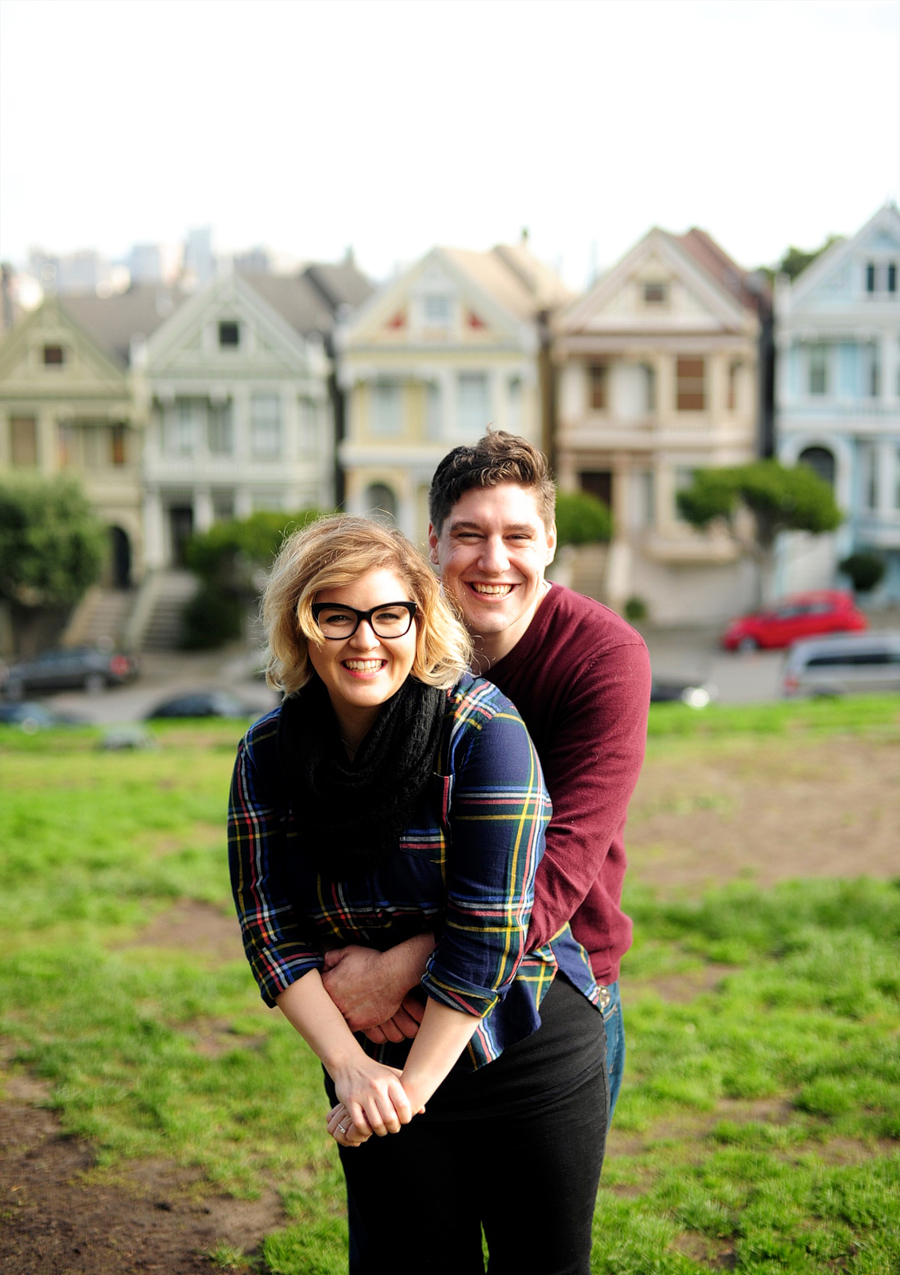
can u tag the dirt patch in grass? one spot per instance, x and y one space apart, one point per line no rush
766 807
194 927
52 1222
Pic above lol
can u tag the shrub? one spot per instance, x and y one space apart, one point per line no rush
582 519
865 570
212 616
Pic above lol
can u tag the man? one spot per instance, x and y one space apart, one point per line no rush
579 676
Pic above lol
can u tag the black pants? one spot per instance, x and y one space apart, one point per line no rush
417 1199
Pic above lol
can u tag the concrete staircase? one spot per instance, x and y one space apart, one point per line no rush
100 618
161 629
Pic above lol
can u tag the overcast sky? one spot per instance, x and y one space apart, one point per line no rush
392 125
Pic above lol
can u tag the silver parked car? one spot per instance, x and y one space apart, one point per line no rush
843 664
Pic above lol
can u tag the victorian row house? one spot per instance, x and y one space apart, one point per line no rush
659 373
838 334
177 411
456 343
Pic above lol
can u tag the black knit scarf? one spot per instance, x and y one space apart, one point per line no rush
351 814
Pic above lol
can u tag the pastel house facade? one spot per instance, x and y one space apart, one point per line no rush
838 398
658 374
450 347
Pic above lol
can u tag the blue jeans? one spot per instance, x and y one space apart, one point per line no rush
615 1041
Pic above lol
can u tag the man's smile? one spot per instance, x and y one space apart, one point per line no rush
490 590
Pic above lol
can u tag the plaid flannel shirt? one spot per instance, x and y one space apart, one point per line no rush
464 869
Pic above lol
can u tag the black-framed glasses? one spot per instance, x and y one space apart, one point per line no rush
390 620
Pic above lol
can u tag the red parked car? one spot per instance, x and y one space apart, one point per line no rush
798 616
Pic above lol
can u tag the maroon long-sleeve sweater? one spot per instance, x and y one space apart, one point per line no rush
580 677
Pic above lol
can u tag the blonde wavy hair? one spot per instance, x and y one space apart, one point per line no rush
336 551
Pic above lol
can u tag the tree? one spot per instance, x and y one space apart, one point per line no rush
230 558
795 260
582 519
51 551
757 501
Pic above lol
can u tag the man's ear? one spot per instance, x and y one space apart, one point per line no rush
551 545
432 544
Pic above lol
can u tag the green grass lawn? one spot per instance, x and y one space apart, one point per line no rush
759 1125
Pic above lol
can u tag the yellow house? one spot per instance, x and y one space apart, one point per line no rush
450 347
66 403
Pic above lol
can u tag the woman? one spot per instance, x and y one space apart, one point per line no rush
393 794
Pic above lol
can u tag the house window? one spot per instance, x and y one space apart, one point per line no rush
229 334
23 440
598 378
655 293
181 422
434 410
436 311
892 277
474 410
220 429
386 408
117 445
690 384
53 356
265 426
67 446
870 277
381 503
818 369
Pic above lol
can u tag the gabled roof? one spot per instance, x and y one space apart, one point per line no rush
311 299
507 287
232 296
514 277
113 321
886 219
717 283
295 299
340 285
716 261
93 354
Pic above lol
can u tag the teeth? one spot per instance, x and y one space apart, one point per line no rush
363 666
493 590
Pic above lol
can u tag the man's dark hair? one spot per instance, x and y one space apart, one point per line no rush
497 458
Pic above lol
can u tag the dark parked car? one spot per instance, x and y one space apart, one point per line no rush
31 716
76 667
202 704
799 616
694 695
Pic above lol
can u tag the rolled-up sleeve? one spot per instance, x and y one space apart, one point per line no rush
274 941
498 811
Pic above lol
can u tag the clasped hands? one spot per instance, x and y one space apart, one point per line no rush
375 1102
372 991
